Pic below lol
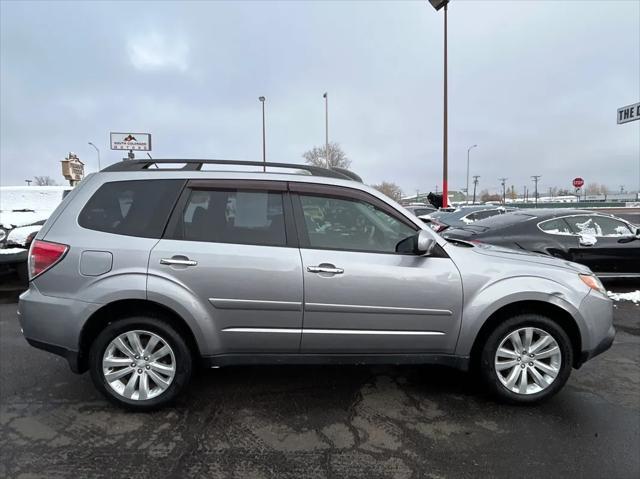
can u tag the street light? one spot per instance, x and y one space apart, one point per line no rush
97 151
264 147
438 4
468 150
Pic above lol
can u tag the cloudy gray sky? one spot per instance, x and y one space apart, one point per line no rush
535 84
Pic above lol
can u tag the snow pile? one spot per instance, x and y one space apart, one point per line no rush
12 250
23 205
634 296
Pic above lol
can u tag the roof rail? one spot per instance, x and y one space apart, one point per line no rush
196 165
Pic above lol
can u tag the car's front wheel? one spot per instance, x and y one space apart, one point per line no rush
527 359
140 363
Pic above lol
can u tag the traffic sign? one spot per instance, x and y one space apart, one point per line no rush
628 113
578 182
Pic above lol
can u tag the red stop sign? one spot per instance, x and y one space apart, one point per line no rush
578 182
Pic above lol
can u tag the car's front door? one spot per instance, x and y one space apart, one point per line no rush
227 244
599 246
360 295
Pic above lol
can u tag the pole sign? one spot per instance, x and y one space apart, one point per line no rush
578 182
72 168
628 113
131 141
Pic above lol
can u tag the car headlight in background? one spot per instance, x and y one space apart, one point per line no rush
3 234
593 283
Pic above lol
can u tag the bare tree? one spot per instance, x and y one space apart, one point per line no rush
44 181
317 156
592 189
486 196
390 189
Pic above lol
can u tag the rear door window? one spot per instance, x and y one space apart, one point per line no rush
232 216
556 226
599 226
131 208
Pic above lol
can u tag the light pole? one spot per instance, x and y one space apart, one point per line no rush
438 4
97 151
468 150
264 141
326 127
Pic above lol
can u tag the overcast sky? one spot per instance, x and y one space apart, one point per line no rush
535 84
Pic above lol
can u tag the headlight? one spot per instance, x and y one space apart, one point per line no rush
3 234
593 283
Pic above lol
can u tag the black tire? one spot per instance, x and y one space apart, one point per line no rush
487 365
160 327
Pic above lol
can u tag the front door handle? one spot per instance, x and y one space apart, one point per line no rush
181 262
325 269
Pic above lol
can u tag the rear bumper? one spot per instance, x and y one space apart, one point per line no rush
72 357
54 324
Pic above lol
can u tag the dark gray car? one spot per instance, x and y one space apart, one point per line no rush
143 272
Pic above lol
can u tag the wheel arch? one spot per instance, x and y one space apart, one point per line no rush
552 311
125 308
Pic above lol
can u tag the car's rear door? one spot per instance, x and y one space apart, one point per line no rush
360 295
598 245
230 244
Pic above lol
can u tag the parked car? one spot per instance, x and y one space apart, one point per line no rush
420 210
608 245
23 211
142 272
464 215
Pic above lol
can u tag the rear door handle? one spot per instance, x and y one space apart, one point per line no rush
325 269
181 262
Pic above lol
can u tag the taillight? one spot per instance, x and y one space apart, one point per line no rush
43 255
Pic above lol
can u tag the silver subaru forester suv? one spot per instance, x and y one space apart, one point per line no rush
150 267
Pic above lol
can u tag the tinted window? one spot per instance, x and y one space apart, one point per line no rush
351 225
233 216
556 226
480 215
598 226
131 208
421 211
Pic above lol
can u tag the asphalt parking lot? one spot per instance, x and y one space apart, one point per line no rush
317 422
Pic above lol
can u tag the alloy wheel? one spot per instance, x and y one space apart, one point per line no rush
139 365
528 360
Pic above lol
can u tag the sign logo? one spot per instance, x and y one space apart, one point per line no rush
131 141
578 182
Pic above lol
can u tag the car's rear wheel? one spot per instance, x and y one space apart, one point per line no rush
140 363
527 359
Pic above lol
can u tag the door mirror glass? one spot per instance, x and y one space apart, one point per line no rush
419 244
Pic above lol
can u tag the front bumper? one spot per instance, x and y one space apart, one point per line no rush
598 332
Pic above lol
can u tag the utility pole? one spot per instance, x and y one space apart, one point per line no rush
467 190
502 182
264 142
475 184
535 179
326 127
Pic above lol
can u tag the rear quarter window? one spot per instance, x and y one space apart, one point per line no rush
131 208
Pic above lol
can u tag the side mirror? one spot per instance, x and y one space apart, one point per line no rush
419 244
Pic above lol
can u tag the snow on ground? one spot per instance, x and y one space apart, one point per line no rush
633 296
